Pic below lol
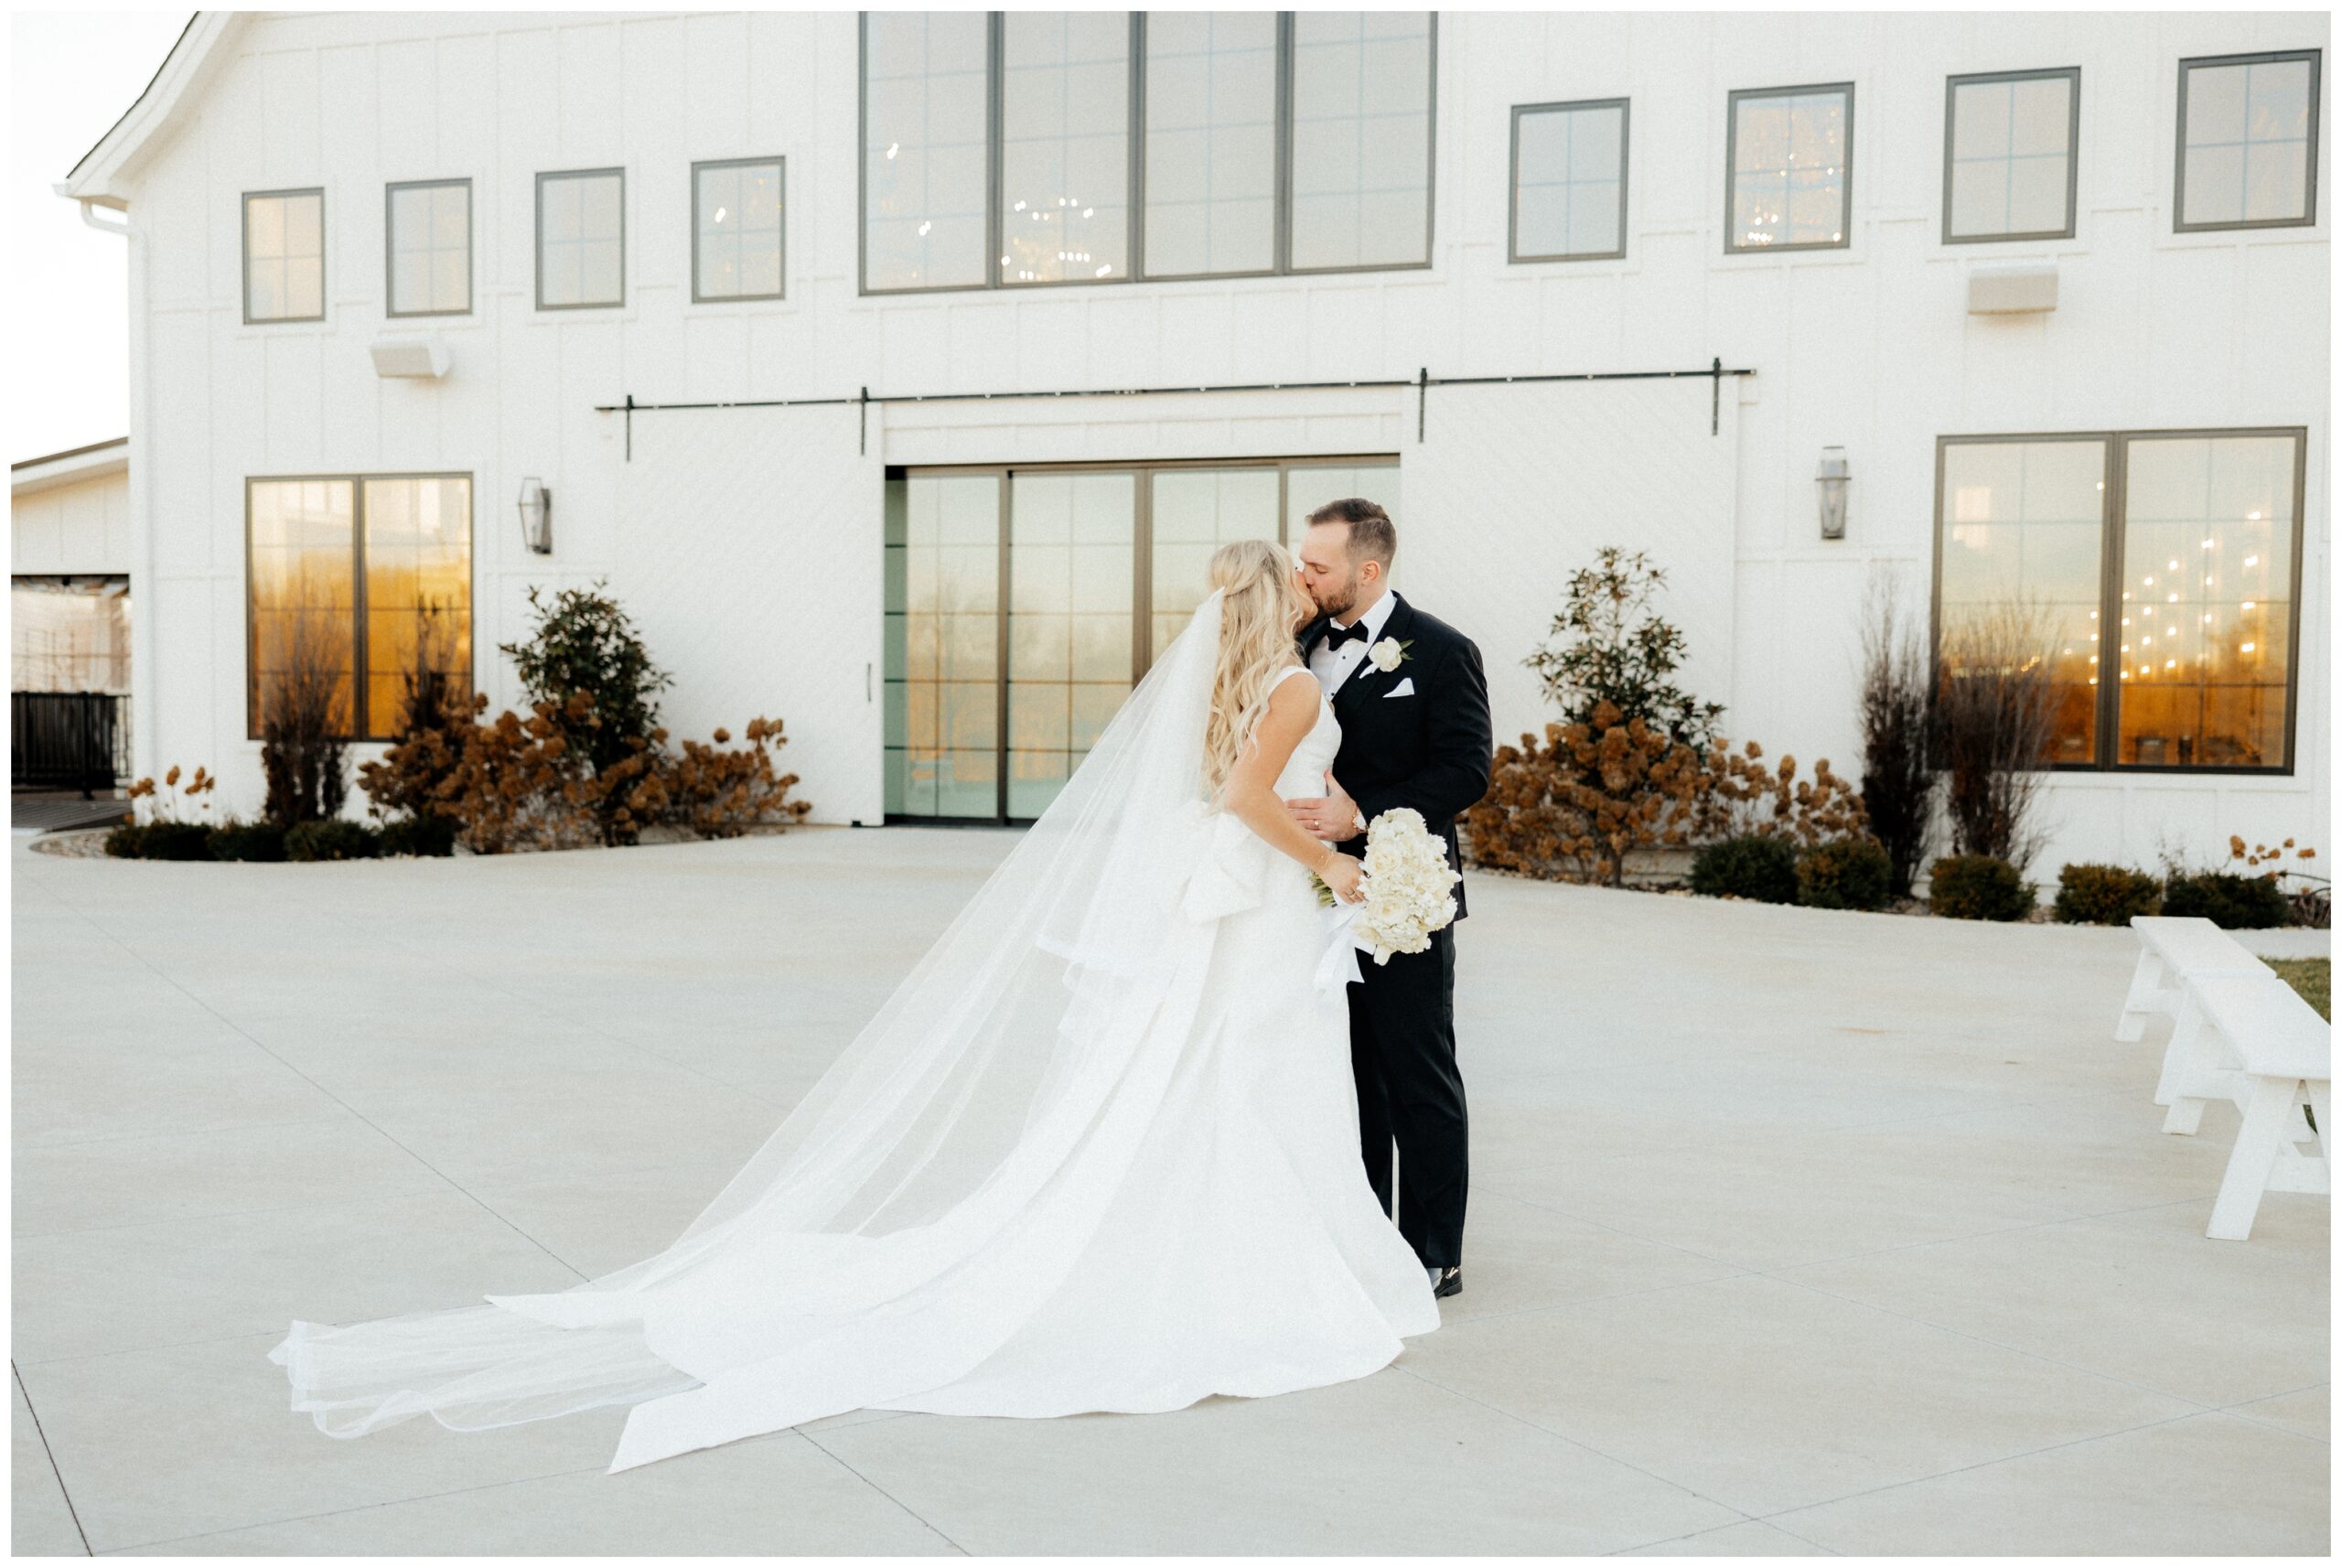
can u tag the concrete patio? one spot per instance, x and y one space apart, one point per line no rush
1792 1232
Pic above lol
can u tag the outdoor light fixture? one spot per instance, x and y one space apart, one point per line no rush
1830 481
536 516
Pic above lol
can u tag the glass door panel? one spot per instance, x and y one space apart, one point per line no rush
1309 485
1194 511
943 626
1071 559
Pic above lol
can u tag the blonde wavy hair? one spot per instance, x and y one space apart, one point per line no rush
1262 607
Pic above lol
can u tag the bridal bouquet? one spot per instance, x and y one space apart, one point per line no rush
1406 885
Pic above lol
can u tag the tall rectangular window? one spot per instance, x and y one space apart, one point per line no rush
1065 146
2154 572
428 241
2248 142
943 645
581 239
2009 167
1569 180
736 242
1362 139
1211 143
1788 158
285 255
1026 147
926 138
360 596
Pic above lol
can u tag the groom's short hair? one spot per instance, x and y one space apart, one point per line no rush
1373 536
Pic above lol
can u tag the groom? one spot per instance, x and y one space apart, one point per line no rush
1413 707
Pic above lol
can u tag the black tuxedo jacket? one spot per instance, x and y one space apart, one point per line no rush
1430 749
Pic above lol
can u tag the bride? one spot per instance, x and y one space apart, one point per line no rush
1099 1152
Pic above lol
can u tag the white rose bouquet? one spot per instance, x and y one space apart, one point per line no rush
1407 886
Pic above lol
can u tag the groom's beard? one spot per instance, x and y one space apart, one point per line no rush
1337 605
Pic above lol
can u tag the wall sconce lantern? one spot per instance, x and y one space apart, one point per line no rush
1830 481
536 516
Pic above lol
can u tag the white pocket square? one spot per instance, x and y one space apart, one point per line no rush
1405 688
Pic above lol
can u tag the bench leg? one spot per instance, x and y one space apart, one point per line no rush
2132 1023
2190 1050
2255 1154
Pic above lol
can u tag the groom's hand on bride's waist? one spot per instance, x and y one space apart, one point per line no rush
1333 816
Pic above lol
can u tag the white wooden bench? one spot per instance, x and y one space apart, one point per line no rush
2173 950
2272 1056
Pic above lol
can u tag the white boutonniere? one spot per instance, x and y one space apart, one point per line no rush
1390 653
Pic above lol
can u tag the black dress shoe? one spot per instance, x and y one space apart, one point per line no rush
1451 1282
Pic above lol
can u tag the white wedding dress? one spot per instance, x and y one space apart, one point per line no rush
1099 1152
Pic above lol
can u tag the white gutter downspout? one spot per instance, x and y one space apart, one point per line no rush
89 206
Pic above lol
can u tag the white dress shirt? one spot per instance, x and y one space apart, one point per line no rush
1332 666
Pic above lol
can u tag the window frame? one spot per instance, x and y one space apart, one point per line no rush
1952 86
389 246
780 163
244 241
358 482
2179 225
1281 248
1624 106
1731 156
538 239
2106 713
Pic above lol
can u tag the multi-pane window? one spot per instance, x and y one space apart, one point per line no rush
360 597
1788 158
926 103
429 239
1569 180
1065 146
1000 151
2152 573
581 239
2009 167
1362 139
736 245
285 255
2248 142
1211 143
1023 604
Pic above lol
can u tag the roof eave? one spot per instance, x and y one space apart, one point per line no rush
106 171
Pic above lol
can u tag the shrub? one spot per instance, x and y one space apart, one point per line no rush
1845 874
156 804
1898 718
2228 901
1996 709
304 720
723 794
426 836
334 839
163 840
1762 866
1978 887
2091 895
585 645
247 841
1606 658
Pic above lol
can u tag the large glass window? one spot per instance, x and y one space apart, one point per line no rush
357 574
736 229
926 102
1569 180
997 150
69 634
581 239
285 255
1790 160
2009 169
987 716
2154 572
1211 143
2248 142
1362 139
1065 146
429 230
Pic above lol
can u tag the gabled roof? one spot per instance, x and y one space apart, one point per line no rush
105 172
34 474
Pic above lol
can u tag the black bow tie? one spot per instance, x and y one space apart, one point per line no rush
1338 635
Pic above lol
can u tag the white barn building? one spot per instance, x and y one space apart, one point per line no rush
2054 286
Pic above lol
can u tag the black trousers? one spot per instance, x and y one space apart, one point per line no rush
1409 1094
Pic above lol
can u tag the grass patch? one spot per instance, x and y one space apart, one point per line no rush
2313 977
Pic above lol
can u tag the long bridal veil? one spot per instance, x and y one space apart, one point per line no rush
937 1183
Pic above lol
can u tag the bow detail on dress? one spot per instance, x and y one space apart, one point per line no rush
1229 867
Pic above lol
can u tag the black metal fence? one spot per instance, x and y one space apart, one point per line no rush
70 740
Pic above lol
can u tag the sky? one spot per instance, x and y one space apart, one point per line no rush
71 74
